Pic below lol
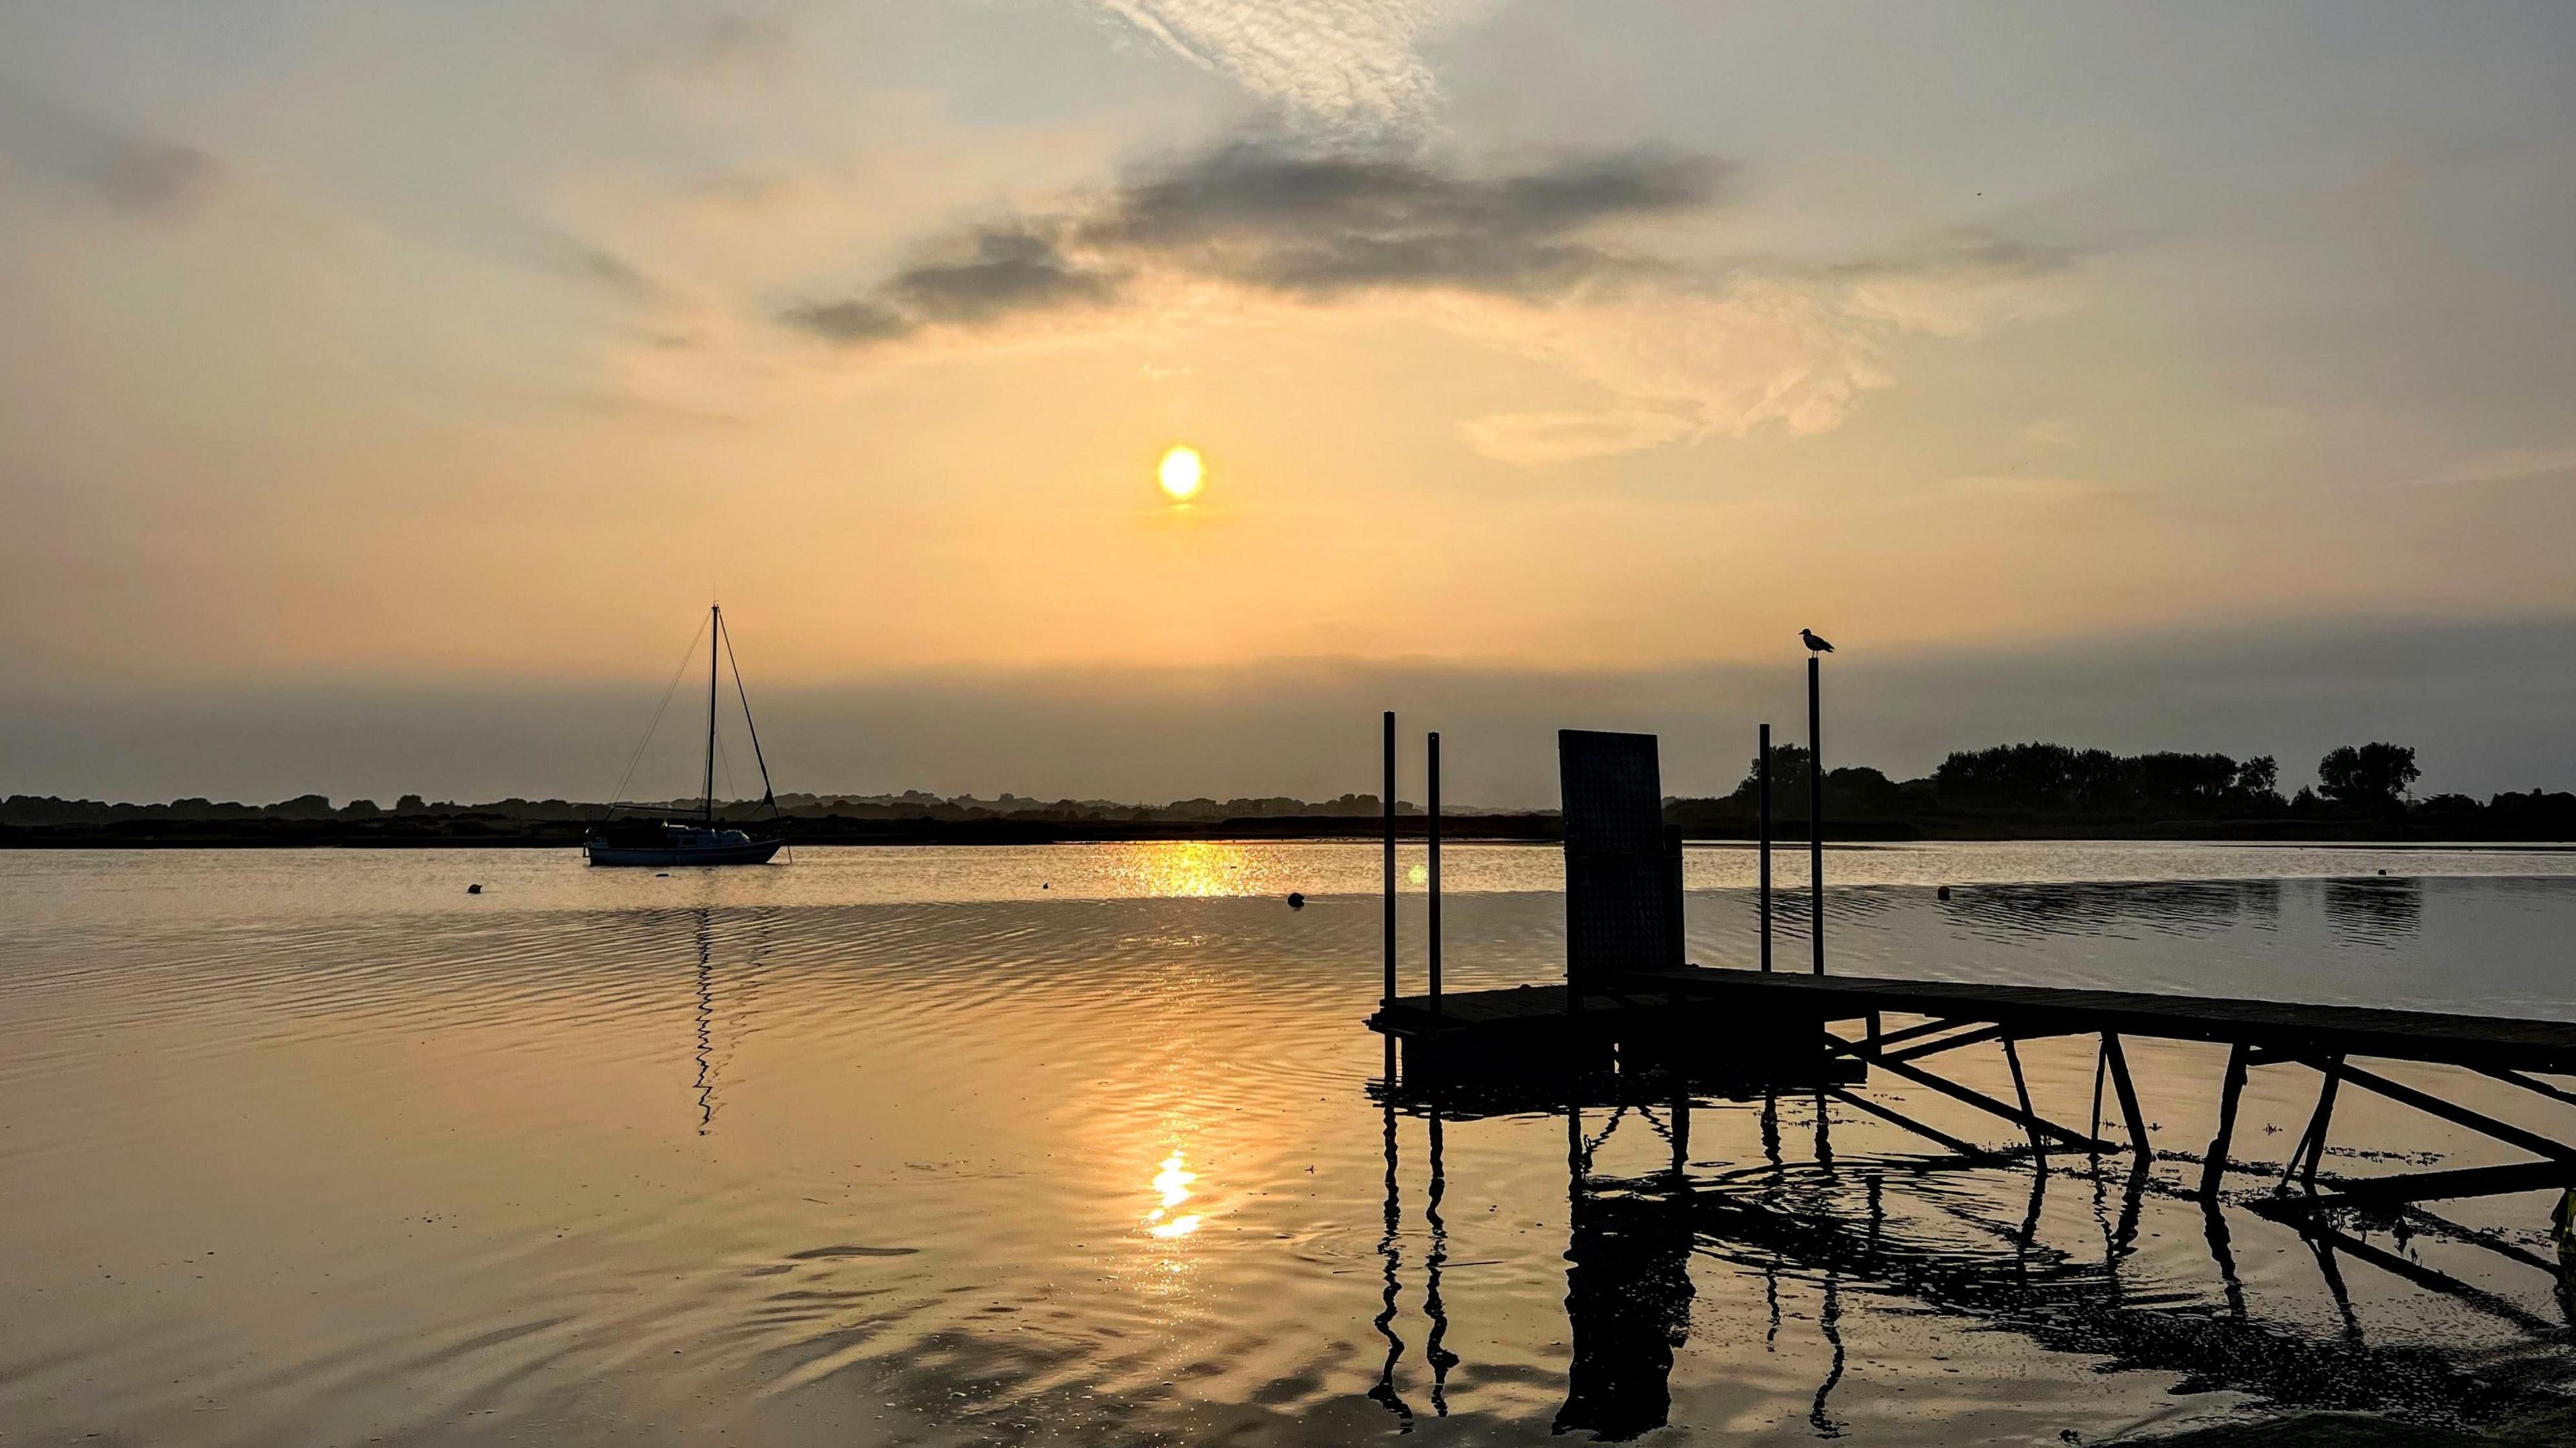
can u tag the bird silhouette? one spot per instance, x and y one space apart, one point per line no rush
1814 644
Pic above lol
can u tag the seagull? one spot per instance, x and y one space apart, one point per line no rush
1814 644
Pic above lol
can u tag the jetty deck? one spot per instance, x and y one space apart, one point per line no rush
1698 1020
2279 1028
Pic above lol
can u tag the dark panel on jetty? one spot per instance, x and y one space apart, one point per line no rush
1623 900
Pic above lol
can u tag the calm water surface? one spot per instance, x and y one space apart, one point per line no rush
1085 1144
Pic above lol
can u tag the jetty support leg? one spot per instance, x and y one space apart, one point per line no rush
2128 1093
2021 1092
2230 1092
2312 1142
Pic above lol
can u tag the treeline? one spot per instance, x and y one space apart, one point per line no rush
2362 790
412 811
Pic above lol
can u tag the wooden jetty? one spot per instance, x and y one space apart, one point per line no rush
1630 1003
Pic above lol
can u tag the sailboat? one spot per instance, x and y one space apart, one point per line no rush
658 835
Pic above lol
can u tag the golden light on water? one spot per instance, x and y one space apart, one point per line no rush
1173 1183
1200 868
1182 473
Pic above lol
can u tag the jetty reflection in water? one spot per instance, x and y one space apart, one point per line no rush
1925 1232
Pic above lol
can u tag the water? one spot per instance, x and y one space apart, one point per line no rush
1079 1144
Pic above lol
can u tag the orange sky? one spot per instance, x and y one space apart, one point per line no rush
433 345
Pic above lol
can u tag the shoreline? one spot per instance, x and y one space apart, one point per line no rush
451 834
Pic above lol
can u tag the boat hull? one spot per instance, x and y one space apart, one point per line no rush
663 857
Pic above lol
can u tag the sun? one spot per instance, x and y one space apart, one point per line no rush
1182 473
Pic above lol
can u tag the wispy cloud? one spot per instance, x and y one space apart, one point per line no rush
1351 68
2512 465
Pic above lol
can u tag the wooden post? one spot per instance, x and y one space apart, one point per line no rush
1816 812
2230 1091
1681 1129
2021 1090
1762 832
2325 1112
2099 1066
2312 1142
1431 825
1389 799
2128 1092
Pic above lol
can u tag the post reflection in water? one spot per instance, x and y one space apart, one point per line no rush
2374 911
709 1060
1433 1348
1628 1287
706 1016
1392 1255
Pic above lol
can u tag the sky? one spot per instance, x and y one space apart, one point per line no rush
386 390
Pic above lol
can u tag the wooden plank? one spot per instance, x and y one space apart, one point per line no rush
2430 1186
2527 1083
2305 1029
1954 1090
1947 1043
2530 1141
1963 1148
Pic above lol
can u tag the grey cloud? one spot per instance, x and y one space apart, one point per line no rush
1010 271
138 174
847 322
149 177
1290 222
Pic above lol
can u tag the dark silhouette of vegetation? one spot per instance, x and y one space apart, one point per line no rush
2008 791
2041 789
2372 776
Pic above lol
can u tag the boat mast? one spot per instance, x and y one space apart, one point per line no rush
715 622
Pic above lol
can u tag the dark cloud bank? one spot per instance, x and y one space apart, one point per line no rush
1280 220
2490 705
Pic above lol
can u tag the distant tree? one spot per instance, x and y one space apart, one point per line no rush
411 804
2371 775
360 809
2259 776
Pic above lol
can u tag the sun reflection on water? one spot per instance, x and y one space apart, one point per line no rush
1173 1183
1200 868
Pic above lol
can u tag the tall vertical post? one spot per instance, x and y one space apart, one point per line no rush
1431 827
1816 812
1388 796
1762 832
